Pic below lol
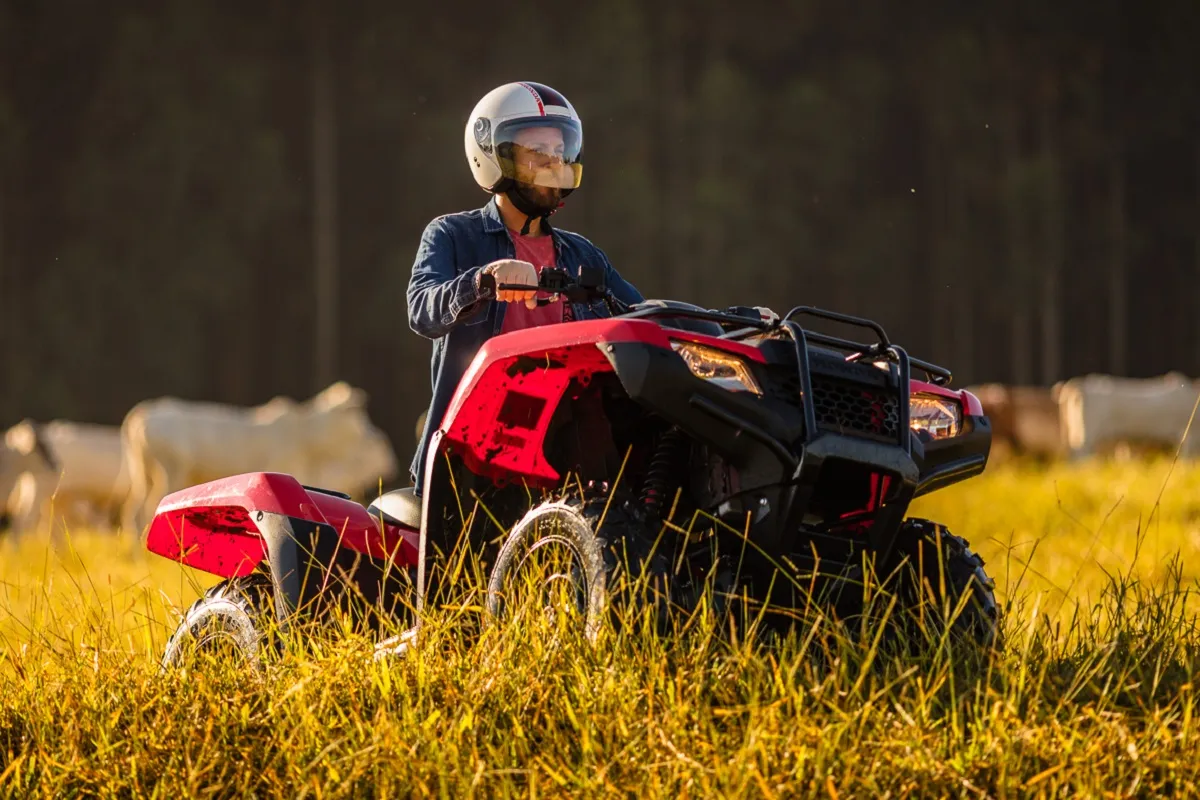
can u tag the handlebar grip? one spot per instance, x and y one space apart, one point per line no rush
488 281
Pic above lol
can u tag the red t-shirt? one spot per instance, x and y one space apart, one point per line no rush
539 251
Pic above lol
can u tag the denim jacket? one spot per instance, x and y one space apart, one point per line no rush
445 306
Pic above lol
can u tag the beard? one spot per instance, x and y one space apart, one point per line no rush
541 199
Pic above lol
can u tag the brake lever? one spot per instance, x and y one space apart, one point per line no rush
551 280
487 281
521 287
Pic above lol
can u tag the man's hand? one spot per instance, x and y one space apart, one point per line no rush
510 270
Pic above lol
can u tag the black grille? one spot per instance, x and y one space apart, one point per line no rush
843 407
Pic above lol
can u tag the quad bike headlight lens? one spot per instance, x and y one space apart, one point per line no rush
940 417
725 370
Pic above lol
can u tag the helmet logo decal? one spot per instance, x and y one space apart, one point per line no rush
548 95
537 97
483 134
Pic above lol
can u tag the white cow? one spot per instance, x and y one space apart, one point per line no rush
21 451
77 474
1102 410
170 443
372 464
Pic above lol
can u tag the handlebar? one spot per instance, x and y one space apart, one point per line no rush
556 281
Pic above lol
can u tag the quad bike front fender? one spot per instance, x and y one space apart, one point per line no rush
755 436
500 414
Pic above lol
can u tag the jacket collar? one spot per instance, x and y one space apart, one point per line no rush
494 223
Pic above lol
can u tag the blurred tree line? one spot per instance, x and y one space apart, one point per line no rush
1012 189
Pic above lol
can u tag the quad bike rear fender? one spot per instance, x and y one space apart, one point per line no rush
315 544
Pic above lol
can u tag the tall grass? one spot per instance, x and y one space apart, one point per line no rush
1093 696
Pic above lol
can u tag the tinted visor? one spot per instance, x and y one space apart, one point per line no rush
540 151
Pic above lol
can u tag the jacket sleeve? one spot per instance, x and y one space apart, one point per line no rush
438 297
622 289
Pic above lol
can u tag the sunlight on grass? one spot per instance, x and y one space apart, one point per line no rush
1065 530
1094 694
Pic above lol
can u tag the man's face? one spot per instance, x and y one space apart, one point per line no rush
538 160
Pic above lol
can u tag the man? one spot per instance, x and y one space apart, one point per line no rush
524 144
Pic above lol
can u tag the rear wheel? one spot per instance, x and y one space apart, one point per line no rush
231 619
942 573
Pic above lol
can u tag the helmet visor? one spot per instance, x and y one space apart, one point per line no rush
540 151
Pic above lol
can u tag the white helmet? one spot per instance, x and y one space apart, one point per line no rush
524 140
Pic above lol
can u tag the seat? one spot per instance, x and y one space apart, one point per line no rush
333 492
692 324
398 507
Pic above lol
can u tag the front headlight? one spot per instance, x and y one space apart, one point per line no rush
941 417
725 370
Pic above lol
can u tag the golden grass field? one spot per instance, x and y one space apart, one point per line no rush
1094 695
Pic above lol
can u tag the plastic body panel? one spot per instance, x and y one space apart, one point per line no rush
216 526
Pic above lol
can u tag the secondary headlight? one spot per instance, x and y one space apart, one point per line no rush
941 417
725 370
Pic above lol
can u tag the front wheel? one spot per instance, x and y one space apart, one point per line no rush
575 559
944 579
231 618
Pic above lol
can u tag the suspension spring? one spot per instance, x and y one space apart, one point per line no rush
664 466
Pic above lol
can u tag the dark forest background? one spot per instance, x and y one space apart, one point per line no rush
1012 189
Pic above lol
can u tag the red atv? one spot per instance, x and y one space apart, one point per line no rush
735 451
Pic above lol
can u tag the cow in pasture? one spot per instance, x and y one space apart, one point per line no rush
370 468
21 451
1100 411
74 472
171 443
1025 419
